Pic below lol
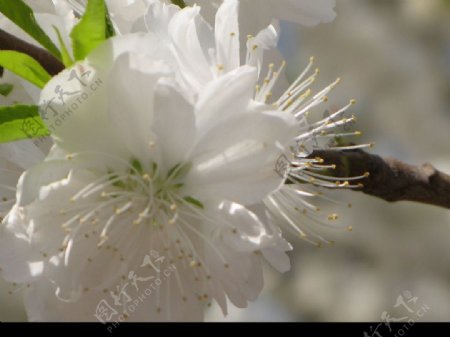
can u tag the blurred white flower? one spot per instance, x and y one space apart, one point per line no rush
257 14
20 91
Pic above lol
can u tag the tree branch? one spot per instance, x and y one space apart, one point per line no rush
391 179
47 60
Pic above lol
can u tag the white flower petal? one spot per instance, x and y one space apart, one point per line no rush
18 260
42 174
266 39
158 17
224 97
192 39
174 124
66 105
227 35
130 107
256 14
23 153
236 159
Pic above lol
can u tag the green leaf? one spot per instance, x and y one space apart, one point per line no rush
25 67
22 15
93 28
66 58
5 89
20 122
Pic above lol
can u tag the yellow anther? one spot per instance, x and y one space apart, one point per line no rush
333 217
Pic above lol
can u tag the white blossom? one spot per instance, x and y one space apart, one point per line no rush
293 205
144 165
165 155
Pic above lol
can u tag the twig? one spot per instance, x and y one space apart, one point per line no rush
391 179
47 60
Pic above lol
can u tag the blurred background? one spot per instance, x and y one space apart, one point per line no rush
394 58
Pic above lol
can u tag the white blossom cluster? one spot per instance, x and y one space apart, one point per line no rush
174 170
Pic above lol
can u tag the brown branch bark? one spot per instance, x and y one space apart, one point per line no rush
47 60
391 179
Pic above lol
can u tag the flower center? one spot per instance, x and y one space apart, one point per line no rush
161 191
137 196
